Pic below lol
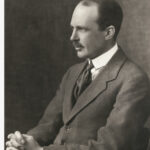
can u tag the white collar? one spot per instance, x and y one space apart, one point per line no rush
103 59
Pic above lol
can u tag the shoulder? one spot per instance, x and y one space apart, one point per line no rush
132 70
133 78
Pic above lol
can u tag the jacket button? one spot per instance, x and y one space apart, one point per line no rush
68 129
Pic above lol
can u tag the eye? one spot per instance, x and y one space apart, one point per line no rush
71 28
82 29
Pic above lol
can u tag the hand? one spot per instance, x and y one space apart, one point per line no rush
31 143
11 148
18 141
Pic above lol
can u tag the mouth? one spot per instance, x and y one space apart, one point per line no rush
77 46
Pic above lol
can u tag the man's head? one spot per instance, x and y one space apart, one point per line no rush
96 24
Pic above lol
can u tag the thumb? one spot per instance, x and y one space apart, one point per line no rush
19 137
27 137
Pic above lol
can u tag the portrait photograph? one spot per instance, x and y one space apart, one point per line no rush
77 75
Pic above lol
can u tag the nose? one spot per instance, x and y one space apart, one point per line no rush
74 35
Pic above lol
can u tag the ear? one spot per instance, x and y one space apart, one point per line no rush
109 32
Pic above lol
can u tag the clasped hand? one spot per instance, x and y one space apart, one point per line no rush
18 141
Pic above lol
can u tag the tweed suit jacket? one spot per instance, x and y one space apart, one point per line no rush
109 115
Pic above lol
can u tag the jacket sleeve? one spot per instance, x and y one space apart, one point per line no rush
125 121
48 127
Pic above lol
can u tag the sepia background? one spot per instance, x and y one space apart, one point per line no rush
38 52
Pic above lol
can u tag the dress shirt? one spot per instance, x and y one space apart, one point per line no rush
102 60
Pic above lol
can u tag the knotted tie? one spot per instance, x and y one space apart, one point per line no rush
83 81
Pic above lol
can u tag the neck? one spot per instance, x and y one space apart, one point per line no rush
106 48
109 45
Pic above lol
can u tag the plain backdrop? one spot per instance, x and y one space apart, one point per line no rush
38 52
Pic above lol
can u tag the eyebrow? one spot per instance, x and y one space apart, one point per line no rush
84 27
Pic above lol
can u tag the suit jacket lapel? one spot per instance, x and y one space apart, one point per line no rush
67 105
109 73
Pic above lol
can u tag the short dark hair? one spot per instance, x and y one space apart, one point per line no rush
110 13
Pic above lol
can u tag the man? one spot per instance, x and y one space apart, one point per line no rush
102 103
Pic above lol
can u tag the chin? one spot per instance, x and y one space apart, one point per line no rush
81 55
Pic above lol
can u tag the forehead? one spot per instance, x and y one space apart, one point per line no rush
84 15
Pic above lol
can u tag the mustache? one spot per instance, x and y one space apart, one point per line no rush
77 44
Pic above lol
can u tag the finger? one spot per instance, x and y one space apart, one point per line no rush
26 135
18 148
11 148
11 136
19 137
8 143
14 143
13 140
28 138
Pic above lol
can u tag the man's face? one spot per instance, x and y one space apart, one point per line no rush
87 39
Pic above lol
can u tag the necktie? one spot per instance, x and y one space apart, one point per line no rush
83 81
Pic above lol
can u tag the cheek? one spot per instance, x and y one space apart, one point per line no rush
91 40
98 40
87 40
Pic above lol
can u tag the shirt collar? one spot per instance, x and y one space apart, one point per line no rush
103 59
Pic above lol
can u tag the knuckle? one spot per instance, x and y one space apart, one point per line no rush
9 135
17 132
7 143
14 143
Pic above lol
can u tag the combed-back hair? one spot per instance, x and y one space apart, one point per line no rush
110 13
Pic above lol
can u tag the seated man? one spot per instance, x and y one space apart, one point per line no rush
102 103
